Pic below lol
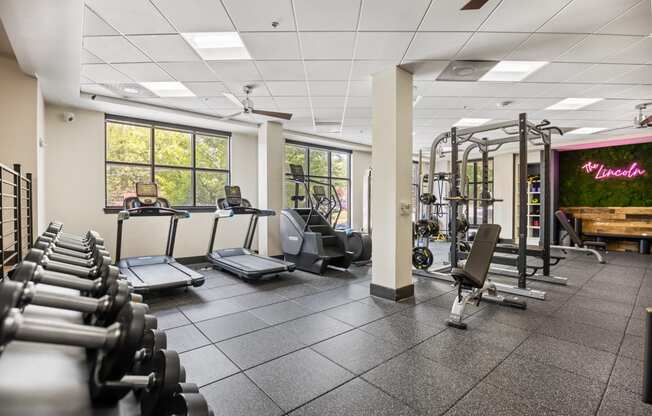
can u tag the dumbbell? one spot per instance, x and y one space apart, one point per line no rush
101 311
38 256
49 249
187 404
79 247
426 228
97 287
57 229
427 199
64 251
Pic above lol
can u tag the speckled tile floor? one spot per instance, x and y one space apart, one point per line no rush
320 345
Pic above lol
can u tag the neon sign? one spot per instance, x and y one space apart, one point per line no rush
601 172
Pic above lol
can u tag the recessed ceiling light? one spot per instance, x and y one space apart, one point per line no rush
471 122
586 130
168 89
130 90
512 70
217 46
573 103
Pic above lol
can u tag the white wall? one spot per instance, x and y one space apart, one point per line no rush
19 117
75 190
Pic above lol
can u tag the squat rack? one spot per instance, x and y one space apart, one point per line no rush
528 133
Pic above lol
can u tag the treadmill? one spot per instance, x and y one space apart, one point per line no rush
150 273
242 261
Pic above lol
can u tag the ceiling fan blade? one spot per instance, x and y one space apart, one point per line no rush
233 98
647 121
230 116
285 116
474 4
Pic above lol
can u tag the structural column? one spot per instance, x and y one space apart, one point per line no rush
271 151
391 197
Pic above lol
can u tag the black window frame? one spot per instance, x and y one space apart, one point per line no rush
152 165
327 179
475 220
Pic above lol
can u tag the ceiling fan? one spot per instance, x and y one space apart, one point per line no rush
247 106
474 5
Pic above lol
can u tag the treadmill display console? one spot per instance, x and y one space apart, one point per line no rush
297 172
233 196
147 193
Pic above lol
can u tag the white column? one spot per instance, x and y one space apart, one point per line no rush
271 156
392 184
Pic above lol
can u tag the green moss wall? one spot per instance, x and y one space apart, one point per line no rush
580 189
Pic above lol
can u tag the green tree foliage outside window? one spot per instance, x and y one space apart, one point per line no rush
128 160
322 165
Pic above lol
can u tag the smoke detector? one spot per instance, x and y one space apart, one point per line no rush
465 70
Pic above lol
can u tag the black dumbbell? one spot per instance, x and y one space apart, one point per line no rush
49 250
187 404
38 256
100 311
115 346
81 246
57 229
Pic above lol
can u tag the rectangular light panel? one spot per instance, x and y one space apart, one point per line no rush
573 103
217 46
587 130
512 70
168 89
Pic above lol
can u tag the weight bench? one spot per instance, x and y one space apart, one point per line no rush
585 246
471 281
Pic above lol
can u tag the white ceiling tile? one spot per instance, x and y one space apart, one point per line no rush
84 80
638 92
327 45
235 70
327 15
89 58
544 46
257 15
522 16
385 15
131 16
586 16
287 88
328 70
358 113
103 74
94 26
359 102
327 88
357 122
362 70
612 105
329 114
639 52
490 46
607 91
447 16
382 45
191 103
264 103
425 69
196 15
272 45
220 102
328 102
595 48
281 70
96 89
189 71
557 72
166 48
529 104
636 21
636 75
206 89
600 73
113 49
564 90
360 88
143 72
436 45
292 102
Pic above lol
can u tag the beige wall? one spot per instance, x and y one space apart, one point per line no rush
20 118
360 162
75 190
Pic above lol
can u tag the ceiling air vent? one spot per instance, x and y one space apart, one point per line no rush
465 70
328 126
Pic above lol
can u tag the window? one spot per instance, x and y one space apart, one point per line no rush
474 190
327 165
190 166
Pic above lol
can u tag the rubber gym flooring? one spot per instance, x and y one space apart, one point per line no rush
319 345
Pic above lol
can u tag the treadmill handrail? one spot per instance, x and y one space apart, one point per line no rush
152 212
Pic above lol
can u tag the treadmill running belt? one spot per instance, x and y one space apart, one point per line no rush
252 263
156 274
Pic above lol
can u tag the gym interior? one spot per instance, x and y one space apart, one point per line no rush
345 207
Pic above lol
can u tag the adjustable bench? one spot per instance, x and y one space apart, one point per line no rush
472 282
585 246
